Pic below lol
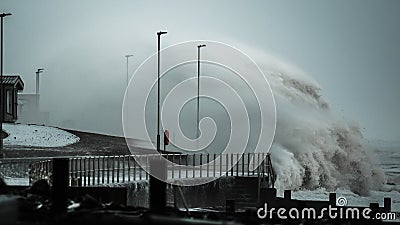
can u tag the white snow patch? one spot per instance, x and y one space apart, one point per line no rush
37 136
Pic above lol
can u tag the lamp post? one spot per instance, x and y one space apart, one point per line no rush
37 89
198 87
1 84
158 89
127 68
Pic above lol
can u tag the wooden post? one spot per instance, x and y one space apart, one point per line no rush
60 184
157 192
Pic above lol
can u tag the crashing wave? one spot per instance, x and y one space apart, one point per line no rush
313 148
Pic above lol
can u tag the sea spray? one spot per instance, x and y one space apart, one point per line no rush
312 147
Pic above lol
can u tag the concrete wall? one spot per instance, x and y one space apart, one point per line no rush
242 189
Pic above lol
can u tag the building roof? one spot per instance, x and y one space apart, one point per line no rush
15 80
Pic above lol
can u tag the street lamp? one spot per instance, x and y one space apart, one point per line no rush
127 68
198 87
37 80
1 84
37 88
158 89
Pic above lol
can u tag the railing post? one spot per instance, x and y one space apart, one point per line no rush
80 171
134 169
118 165
243 164
140 173
215 164
201 164
237 164
108 170
76 170
180 166
102 169
70 172
172 166
208 166
187 164
129 168
194 164
248 164
220 164
84 171
94 171
112 169
258 163
232 166
147 168
254 163
98 170
123 169
88 171
227 163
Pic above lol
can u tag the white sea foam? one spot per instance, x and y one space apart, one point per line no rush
313 148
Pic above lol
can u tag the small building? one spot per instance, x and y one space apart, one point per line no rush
9 98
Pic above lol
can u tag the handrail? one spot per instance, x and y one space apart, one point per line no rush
102 170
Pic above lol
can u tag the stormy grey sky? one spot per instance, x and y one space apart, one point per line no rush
351 48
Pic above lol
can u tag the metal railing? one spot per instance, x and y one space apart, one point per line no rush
101 170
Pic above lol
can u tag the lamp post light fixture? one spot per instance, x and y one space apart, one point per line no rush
1 84
37 80
158 88
127 68
198 87
37 93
